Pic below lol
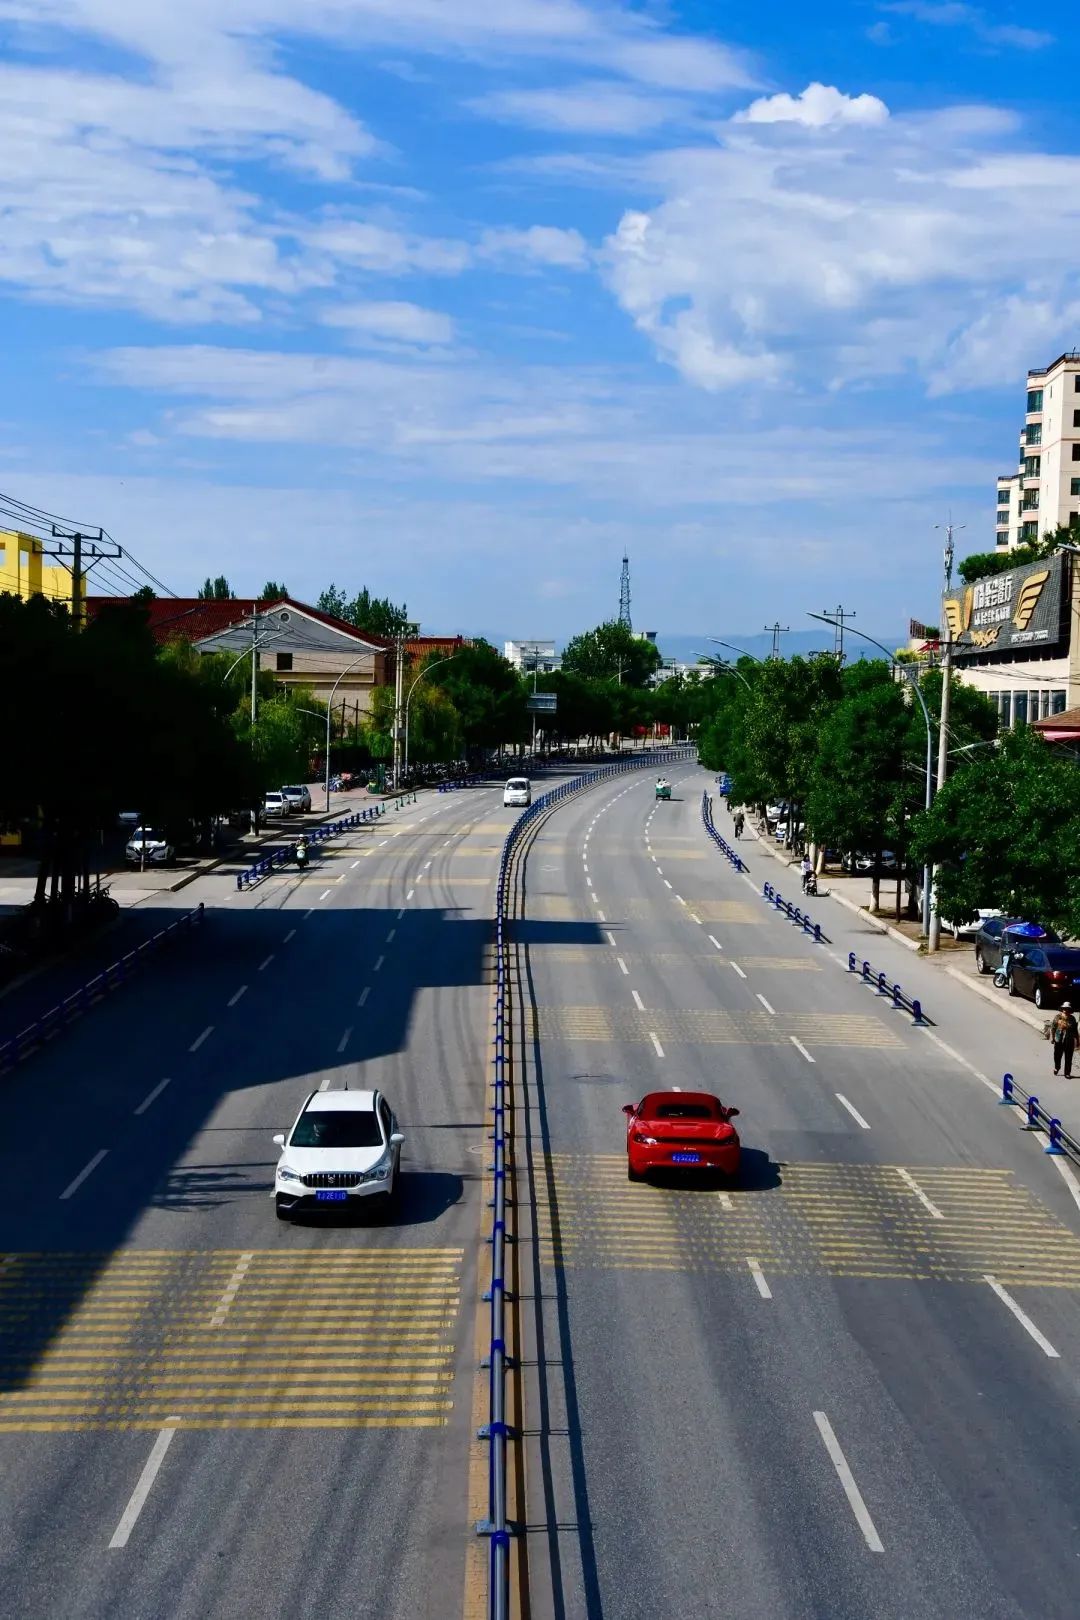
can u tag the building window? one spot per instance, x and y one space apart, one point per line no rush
1003 520
1020 709
284 662
1074 486
1076 452
1059 697
1032 464
1033 433
1029 531
1035 398
1031 500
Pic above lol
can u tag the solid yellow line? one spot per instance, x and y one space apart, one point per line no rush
65 1426
207 1403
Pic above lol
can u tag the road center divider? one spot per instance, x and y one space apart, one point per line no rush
868 976
721 843
263 865
1060 1144
497 1527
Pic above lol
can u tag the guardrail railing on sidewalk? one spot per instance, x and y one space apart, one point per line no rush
263 865
111 978
802 919
1061 1144
497 1526
909 1003
721 843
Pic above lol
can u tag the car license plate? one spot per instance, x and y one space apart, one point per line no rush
686 1158
331 1197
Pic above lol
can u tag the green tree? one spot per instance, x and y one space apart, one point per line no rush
375 614
273 591
216 590
487 693
611 652
1004 831
981 564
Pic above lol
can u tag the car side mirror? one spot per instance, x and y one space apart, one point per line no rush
731 1112
628 1110
279 1140
396 1138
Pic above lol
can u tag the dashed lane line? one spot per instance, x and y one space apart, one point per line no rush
365 992
623 966
265 963
909 1180
378 964
847 1480
236 995
853 1111
344 1041
738 969
152 1097
1022 1317
638 1003
801 1048
768 1008
714 941
87 1170
199 1039
136 1501
656 1043
759 1279
290 935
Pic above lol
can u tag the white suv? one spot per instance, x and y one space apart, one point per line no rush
299 797
275 803
517 791
344 1146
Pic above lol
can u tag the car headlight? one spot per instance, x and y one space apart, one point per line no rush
380 1172
285 1174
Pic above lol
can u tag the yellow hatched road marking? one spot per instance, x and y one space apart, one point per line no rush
709 1027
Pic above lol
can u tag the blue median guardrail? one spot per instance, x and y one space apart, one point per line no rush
801 919
909 1003
721 843
263 865
1060 1143
497 1526
111 978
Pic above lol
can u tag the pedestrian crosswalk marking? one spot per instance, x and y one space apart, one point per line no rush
820 1219
329 1339
708 1027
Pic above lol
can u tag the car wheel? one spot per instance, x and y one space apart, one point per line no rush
979 962
1013 991
1040 997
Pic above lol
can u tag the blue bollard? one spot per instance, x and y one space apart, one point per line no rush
1006 1099
796 915
866 970
817 933
882 985
897 995
1054 1145
1032 1114
851 962
806 925
916 1011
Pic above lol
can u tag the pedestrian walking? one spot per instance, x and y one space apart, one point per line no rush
1064 1033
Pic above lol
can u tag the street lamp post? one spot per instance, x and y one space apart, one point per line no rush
722 667
330 711
929 901
408 699
732 648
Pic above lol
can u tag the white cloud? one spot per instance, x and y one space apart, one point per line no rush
839 253
957 14
384 249
818 105
538 244
393 321
597 108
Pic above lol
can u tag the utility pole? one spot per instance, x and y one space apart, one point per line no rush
79 547
777 630
839 615
403 634
950 528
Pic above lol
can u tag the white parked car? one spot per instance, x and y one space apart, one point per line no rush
275 803
298 797
146 847
518 792
344 1146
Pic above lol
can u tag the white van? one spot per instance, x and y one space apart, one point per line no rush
518 791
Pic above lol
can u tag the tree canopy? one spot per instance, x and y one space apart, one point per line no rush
611 652
216 590
375 614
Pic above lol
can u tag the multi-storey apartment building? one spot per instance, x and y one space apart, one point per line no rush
1045 490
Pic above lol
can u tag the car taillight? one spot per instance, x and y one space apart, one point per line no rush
646 1141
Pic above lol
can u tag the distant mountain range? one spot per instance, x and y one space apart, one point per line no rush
687 648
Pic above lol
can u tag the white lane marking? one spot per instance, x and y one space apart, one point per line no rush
667 885
137 1499
354 865
623 965
714 941
426 865
1068 1178
801 1048
365 992
344 1041
659 871
589 882
310 910
235 997
697 920
909 1180
737 968
656 1043
853 1111
638 1003
724 1200
265 963
765 1004
231 1287
401 912
324 1085
601 916
205 1036
958 1057
390 935
595 898
410 894
585 865
1022 1317
759 1278
680 899
290 935
151 1097
847 1480
87 1170
610 938
383 841
378 965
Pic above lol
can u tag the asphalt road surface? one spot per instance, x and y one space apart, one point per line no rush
847 1386
205 1412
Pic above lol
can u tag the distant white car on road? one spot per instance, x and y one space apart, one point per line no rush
344 1146
147 847
517 792
298 797
275 803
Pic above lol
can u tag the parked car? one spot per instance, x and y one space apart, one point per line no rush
276 804
147 847
298 797
1049 974
866 864
968 930
996 935
128 818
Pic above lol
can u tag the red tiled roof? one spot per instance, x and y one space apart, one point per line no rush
1067 720
421 646
189 618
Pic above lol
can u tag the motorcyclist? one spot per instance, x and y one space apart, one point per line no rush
301 852
739 823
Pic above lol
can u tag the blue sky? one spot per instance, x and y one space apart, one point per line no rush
458 300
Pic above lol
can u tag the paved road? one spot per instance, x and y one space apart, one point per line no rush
322 1375
802 1397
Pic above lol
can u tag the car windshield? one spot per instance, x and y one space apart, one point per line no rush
299 790
149 835
518 783
337 1128
677 1110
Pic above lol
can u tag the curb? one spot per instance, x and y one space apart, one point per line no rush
1005 1003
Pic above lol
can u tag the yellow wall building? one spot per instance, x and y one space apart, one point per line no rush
25 572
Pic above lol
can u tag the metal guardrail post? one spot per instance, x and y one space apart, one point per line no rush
1032 1113
1054 1145
1007 1098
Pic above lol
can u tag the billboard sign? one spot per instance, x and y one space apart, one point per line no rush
1009 612
542 702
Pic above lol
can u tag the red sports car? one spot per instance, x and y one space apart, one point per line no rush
680 1130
